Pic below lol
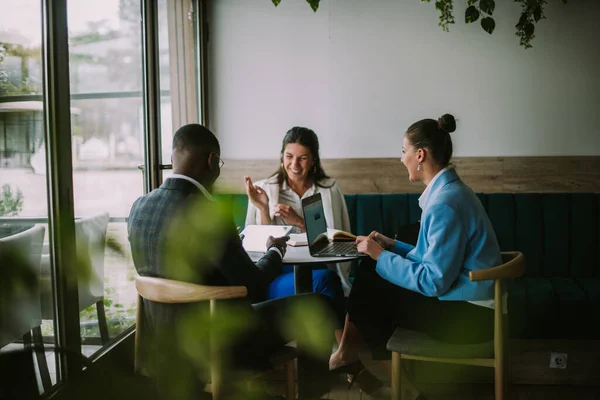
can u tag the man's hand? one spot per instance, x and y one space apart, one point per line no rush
280 243
367 245
257 196
289 216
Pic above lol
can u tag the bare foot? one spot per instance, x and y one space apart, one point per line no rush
339 359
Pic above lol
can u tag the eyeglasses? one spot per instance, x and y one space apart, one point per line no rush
221 162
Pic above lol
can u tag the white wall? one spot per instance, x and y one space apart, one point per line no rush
360 72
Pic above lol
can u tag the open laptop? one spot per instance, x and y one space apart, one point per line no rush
319 244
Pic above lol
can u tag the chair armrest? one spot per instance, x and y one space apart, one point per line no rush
169 291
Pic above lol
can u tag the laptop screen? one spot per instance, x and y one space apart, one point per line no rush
314 218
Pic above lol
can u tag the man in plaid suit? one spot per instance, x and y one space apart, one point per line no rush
179 232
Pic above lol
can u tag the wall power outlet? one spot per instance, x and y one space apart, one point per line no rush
558 360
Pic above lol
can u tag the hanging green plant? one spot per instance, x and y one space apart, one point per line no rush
532 11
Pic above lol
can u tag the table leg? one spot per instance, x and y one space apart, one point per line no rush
302 279
306 366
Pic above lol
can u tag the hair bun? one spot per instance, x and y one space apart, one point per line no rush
447 123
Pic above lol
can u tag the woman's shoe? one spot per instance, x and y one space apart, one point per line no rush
352 369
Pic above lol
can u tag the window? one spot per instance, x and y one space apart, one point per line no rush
28 316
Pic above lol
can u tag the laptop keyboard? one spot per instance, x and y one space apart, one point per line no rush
340 248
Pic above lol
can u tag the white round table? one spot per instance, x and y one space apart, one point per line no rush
302 260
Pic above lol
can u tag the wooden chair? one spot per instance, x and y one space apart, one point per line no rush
409 345
175 292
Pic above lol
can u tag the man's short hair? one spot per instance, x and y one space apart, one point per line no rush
195 136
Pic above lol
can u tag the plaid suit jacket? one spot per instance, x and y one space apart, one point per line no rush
148 229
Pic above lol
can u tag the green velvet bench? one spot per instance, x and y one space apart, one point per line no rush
559 295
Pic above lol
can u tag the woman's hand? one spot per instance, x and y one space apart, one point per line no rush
367 245
289 216
257 196
380 239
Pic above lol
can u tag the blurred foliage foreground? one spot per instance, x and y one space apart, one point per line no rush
177 356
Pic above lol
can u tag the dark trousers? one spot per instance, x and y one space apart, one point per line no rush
377 307
293 318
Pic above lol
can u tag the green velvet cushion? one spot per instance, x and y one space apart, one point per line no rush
555 231
395 215
501 211
584 238
369 214
529 231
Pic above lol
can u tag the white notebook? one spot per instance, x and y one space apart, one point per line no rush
255 236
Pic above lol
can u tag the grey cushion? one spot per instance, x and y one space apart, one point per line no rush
414 343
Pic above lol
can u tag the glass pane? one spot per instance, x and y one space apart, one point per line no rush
107 127
26 298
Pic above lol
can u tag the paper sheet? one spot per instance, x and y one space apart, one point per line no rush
255 236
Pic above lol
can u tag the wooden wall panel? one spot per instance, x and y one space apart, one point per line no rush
483 174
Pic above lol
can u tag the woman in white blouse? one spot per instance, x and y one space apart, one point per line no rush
277 200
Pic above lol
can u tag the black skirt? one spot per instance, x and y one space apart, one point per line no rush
377 307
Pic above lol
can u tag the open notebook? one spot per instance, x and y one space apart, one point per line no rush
335 235
255 236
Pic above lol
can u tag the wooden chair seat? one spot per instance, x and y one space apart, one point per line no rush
413 343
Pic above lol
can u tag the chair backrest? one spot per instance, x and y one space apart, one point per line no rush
168 291
22 311
513 267
90 236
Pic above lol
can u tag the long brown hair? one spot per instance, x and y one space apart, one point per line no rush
307 138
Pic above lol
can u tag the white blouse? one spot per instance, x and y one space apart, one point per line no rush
334 206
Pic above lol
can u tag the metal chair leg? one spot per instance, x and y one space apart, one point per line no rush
38 348
102 322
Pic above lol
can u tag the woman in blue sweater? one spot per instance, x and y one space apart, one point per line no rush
424 287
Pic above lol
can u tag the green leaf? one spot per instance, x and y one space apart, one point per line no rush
276 2
314 4
487 6
529 29
537 13
488 24
471 15
522 20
